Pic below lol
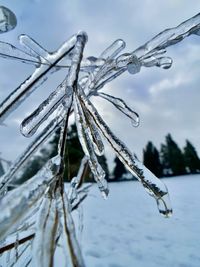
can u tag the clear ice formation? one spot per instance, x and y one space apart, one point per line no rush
100 70
85 77
8 20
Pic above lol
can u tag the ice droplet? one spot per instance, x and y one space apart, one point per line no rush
165 62
164 206
8 20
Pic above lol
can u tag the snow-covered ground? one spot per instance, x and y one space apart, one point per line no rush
126 230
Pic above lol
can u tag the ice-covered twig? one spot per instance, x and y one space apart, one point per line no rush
169 37
69 236
88 148
35 80
15 167
122 106
25 196
75 182
152 184
46 229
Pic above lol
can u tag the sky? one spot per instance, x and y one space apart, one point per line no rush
166 100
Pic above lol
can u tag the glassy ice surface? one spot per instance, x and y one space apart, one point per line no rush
84 77
8 20
122 106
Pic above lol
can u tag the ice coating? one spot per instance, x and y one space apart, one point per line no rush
94 134
28 56
34 48
122 106
75 182
9 51
69 234
113 50
170 36
108 70
86 76
35 144
98 71
88 148
8 20
25 197
46 229
34 81
30 125
153 185
163 62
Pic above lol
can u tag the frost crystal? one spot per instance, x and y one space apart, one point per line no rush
40 215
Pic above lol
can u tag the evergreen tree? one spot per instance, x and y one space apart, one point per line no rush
119 169
151 159
172 158
103 162
192 160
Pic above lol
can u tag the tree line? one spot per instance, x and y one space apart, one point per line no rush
170 160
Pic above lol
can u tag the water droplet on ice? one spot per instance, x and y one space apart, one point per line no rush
165 62
8 20
164 206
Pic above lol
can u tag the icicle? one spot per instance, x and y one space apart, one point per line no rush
30 124
113 50
88 148
34 48
122 106
91 130
8 20
95 136
46 228
69 235
25 196
35 80
72 75
152 184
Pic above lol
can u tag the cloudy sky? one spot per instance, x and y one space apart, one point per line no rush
167 100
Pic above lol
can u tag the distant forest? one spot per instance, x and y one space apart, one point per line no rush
168 161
